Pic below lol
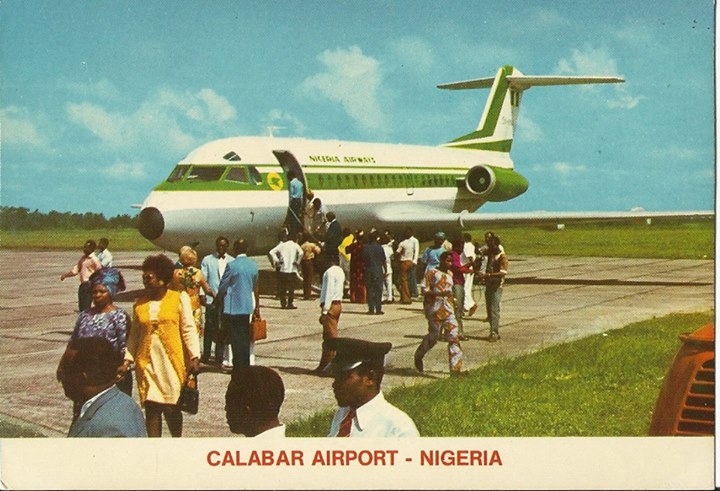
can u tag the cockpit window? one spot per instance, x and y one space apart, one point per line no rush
205 173
177 173
255 176
232 157
237 174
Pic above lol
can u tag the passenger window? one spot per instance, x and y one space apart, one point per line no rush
177 173
237 174
255 176
205 173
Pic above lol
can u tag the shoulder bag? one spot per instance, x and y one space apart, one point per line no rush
189 399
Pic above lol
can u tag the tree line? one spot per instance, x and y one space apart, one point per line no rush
19 218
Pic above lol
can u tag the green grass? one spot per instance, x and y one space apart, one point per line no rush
603 385
12 430
690 239
671 240
121 239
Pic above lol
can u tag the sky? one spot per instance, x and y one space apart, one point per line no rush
100 99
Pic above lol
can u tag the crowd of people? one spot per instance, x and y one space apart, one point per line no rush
189 315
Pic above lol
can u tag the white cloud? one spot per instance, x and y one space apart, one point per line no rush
124 170
624 101
19 126
107 127
278 121
415 53
599 61
528 129
591 61
103 89
160 122
353 80
565 169
217 108
676 152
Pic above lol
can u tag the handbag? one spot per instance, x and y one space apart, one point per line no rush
258 329
189 399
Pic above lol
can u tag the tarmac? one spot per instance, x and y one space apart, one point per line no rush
546 301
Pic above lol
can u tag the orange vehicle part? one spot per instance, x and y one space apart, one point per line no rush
686 405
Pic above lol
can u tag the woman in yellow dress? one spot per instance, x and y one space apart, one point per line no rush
162 338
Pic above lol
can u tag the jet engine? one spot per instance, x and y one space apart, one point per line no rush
495 183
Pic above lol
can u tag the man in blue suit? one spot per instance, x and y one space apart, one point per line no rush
240 295
213 266
89 379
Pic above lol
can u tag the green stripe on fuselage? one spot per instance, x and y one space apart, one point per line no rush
324 177
327 181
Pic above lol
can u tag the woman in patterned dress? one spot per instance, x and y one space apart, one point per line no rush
103 319
191 280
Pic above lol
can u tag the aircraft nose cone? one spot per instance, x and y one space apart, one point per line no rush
151 223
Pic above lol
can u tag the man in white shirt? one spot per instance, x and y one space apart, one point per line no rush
408 259
358 368
103 254
286 258
413 271
84 268
331 295
468 257
252 402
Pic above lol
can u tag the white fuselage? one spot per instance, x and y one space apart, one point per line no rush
388 175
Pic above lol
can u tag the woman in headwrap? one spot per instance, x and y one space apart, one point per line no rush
190 279
104 320
163 344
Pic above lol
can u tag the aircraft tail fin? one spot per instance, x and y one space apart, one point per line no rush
497 124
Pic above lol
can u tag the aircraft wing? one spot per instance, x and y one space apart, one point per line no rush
423 217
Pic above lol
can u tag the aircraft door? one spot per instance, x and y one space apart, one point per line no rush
289 163
409 183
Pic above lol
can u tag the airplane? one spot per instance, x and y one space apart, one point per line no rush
237 187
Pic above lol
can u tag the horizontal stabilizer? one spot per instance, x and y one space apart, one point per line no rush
522 82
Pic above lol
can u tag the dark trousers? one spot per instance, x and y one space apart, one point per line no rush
295 216
212 324
286 282
84 296
374 284
412 279
239 328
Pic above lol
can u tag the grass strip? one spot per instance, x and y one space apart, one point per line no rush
691 239
602 385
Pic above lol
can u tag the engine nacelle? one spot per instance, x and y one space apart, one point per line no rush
495 183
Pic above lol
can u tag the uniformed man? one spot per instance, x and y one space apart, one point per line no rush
358 368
